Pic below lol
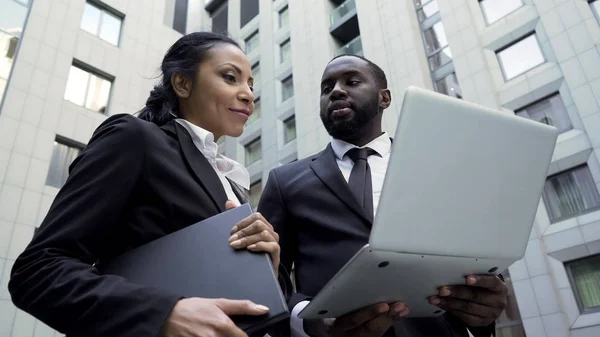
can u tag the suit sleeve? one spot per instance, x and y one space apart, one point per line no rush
54 278
273 208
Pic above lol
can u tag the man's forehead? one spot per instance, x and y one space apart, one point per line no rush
344 65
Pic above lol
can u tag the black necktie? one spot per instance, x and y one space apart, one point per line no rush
360 179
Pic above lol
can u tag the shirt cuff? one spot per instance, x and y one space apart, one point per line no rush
296 323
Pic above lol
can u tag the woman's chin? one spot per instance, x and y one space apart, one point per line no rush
235 133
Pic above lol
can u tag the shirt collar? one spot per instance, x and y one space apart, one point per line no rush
204 141
382 145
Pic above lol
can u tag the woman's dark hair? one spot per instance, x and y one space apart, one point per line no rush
183 57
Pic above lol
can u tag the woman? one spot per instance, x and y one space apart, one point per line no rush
137 180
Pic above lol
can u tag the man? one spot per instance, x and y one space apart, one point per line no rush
322 208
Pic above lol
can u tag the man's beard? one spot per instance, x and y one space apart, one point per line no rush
355 127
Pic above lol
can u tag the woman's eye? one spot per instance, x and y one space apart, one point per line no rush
229 77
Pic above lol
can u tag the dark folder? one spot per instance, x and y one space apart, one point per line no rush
197 261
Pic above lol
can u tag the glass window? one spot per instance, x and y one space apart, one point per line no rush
253 152
494 10
249 10
219 19
439 59
509 323
87 89
596 8
435 38
289 129
102 23
521 57
256 75
570 193
252 42
428 10
12 19
63 154
585 280
449 86
255 192
551 111
284 18
256 114
287 89
286 51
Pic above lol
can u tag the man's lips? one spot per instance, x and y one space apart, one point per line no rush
339 113
241 111
339 109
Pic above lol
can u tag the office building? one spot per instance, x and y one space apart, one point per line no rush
66 65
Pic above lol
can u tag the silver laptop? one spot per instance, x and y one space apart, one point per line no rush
459 198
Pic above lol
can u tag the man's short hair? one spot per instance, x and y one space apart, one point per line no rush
376 71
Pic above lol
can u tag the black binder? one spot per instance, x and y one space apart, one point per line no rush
197 261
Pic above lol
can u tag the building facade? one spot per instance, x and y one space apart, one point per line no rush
67 65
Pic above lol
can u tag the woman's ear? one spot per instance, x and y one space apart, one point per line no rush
181 85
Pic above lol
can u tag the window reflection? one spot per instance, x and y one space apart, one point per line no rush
435 38
286 51
521 57
101 23
449 86
287 87
495 10
284 17
440 59
551 111
12 19
63 154
252 42
256 76
88 90
427 11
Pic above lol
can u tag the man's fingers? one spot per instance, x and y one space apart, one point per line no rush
470 319
468 307
250 220
240 307
473 294
244 242
358 318
230 204
253 228
375 327
490 282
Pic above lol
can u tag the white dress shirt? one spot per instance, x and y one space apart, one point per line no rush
223 166
378 164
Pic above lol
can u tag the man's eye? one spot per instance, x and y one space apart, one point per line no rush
326 90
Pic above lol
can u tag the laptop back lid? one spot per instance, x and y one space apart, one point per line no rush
463 180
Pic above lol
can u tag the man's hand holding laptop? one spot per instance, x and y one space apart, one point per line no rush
372 321
478 303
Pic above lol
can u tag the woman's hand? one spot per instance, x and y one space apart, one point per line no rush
198 317
256 234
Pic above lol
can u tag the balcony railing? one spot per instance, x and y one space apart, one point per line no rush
341 11
352 47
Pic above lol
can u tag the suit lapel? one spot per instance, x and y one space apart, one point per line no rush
326 168
198 164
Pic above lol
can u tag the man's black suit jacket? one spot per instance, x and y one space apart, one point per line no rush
133 183
321 226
